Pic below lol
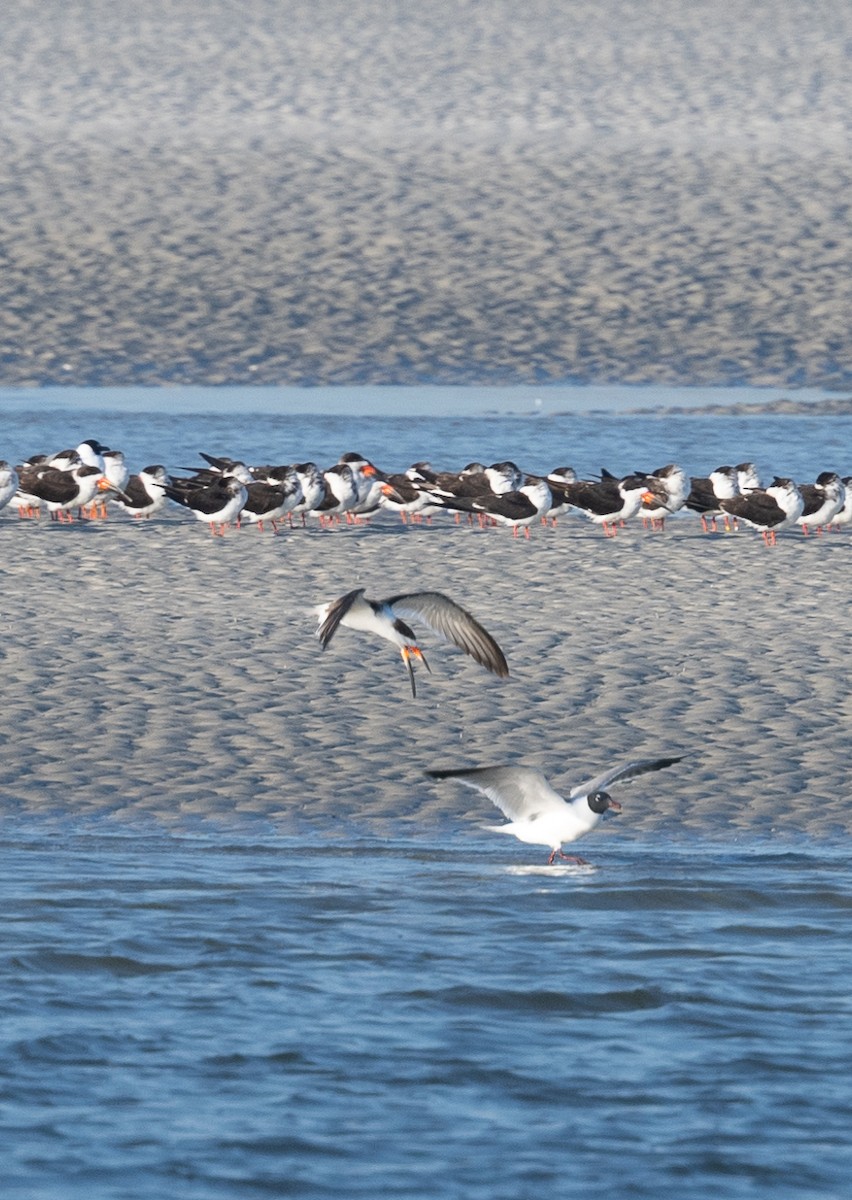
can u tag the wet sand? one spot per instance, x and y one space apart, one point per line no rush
453 193
151 672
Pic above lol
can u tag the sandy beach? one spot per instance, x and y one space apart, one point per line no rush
153 672
461 193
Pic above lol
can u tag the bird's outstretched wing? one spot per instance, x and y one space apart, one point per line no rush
454 624
522 793
330 615
639 766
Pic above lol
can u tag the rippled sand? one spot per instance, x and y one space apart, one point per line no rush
150 670
492 193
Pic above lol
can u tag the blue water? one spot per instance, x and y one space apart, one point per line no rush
230 1016
798 446
226 1012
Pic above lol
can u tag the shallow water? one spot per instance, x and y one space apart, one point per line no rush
239 1015
799 446
230 1012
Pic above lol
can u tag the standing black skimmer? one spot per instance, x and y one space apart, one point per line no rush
519 508
475 482
218 503
748 477
273 497
823 500
92 452
314 488
708 491
668 488
537 814
767 509
145 493
8 482
341 494
557 479
407 499
370 484
385 619
608 501
844 516
61 491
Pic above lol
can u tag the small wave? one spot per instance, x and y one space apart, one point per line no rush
547 1001
117 965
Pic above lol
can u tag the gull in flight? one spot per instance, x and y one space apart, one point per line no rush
385 619
540 816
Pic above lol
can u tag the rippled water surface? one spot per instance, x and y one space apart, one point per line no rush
239 1015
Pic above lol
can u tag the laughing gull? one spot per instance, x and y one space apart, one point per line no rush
540 816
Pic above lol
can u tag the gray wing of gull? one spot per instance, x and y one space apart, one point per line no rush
453 623
337 610
640 766
522 793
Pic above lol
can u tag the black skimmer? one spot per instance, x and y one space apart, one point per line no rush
748 477
116 471
220 468
144 493
458 491
556 481
92 452
370 483
61 491
706 493
407 499
341 494
314 488
767 509
519 508
609 500
668 488
273 497
385 619
844 516
218 503
823 500
8 482
537 814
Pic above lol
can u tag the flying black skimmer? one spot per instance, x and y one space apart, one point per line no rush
823 500
768 509
706 493
218 503
8 482
61 491
537 814
385 619
609 500
144 493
